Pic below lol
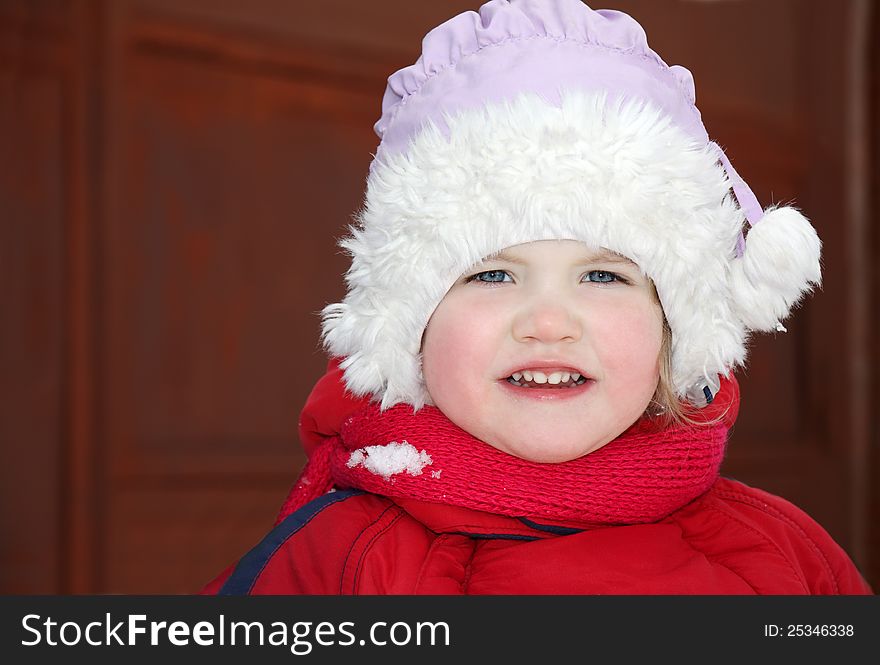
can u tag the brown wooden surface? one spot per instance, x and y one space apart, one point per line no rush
871 282
173 178
34 84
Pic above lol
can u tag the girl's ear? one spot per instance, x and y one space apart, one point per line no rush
780 265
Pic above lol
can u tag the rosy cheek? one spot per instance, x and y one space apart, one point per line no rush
443 354
633 337
464 343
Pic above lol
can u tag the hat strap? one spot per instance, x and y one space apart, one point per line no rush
746 198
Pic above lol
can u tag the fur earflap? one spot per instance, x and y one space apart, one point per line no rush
780 265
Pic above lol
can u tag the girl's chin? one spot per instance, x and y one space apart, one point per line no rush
548 452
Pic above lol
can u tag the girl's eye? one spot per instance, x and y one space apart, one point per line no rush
489 277
502 276
604 277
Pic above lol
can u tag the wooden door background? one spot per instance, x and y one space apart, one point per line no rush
173 177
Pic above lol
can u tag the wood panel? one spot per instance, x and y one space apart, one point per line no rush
173 536
234 166
33 99
871 280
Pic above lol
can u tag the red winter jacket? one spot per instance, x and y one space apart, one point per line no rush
733 539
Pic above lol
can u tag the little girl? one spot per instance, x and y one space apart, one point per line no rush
531 384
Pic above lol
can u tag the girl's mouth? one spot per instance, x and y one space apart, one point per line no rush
547 392
525 387
535 380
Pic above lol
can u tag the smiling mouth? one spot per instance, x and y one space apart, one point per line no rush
557 380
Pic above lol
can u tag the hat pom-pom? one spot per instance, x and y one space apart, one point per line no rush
779 266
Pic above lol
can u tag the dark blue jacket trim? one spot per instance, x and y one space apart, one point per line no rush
252 564
495 536
549 528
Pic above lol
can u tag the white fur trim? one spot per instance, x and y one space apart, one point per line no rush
609 173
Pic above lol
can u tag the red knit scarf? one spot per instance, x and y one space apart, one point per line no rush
641 476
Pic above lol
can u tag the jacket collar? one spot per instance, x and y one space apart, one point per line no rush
443 518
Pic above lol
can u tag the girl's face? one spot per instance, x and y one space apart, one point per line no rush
537 315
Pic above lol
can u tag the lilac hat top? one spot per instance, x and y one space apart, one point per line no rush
544 47
543 119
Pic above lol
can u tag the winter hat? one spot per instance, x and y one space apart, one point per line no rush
543 119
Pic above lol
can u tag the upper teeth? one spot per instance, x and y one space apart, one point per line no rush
541 377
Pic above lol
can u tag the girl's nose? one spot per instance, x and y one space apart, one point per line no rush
547 322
